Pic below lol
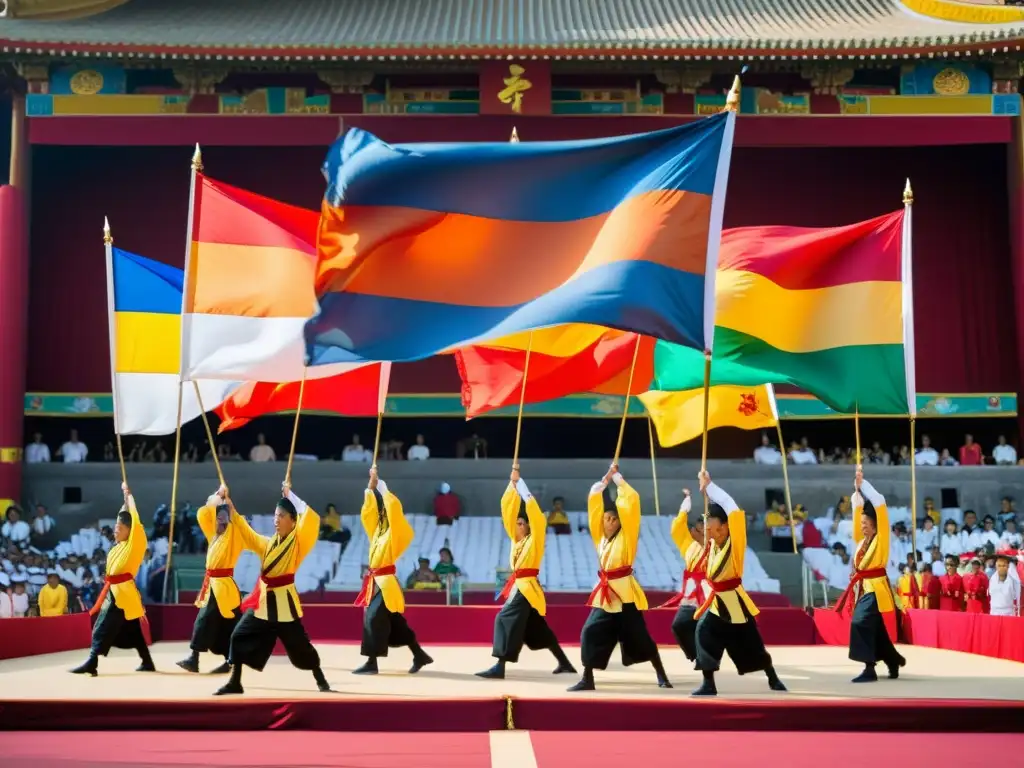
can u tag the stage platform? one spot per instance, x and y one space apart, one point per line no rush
939 691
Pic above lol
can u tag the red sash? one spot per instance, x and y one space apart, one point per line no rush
265 582
698 590
366 592
520 573
121 578
603 591
717 588
213 573
855 579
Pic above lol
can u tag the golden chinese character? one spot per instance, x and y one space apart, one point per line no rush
515 87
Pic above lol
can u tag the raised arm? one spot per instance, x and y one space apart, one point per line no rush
510 501
627 501
251 540
307 526
595 511
137 540
737 522
680 530
401 531
534 515
867 491
206 517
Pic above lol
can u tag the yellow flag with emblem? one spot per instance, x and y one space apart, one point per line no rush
679 416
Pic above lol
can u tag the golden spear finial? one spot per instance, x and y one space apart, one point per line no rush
197 160
514 138
908 194
732 101
108 239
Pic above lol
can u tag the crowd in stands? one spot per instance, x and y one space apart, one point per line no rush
969 454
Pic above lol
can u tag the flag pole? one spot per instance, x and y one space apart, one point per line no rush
908 353
774 405
856 434
654 466
174 494
522 392
209 434
295 429
625 404
382 393
108 246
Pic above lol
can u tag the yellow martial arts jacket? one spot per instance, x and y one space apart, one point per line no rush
528 553
126 557
53 601
873 554
618 552
692 552
223 554
387 544
282 558
725 564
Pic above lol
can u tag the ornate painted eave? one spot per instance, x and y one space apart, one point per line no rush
321 30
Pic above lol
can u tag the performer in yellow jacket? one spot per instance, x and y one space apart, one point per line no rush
521 619
873 627
53 598
695 559
725 620
273 611
617 600
228 534
384 625
119 604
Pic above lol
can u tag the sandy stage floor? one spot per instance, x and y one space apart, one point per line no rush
810 672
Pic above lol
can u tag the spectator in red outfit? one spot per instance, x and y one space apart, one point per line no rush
970 453
951 597
446 505
976 588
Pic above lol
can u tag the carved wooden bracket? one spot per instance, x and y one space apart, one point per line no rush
346 80
688 80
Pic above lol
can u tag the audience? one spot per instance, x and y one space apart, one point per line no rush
15 530
73 451
423 576
419 451
926 455
801 453
767 453
558 521
354 451
1003 454
447 506
261 451
37 452
970 452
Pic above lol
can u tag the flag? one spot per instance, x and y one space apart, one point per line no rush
361 392
492 377
249 291
679 416
144 316
826 310
428 247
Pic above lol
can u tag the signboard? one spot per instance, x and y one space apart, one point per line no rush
517 87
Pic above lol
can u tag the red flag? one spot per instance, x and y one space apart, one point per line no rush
360 392
493 378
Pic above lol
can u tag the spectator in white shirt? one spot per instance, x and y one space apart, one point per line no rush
43 523
1010 539
927 535
356 452
1004 589
261 451
1004 454
951 542
16 531
935 560
802 454
37 452
73 451
420 451
6 606
926 456
19 599
988 533
970 534
766 453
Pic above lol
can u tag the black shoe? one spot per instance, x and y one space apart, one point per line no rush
564 667
146 666
663 682
867 676
231 689
324 687
369 668
191 664
777 685
497 672
223 669
419 661
583 685
707 688
894 670
90 667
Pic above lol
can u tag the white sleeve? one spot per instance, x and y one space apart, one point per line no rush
869 492
617 479
721 498
523 491
300 505
686 505
214 500
598 488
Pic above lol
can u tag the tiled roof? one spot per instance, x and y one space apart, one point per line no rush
489 27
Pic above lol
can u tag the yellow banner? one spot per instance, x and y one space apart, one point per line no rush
679 416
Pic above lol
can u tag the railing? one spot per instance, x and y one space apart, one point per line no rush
810 584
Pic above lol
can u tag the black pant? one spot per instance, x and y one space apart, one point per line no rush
212 632
684 627
715 637
253 641
383 629
113 630
869 640
603 630
517 624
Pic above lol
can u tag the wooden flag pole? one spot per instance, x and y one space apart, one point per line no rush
295 430
625 404
174 496
654 466
376 439
704 440
856 434
382 391
108 246
209 435
522 402
913 492
785 481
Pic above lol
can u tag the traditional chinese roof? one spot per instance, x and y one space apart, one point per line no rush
382 29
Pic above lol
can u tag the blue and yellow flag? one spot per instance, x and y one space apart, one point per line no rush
427 247
144 300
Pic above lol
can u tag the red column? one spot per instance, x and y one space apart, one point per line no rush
13 311
1015 188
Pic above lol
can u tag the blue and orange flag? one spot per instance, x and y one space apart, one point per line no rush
426 247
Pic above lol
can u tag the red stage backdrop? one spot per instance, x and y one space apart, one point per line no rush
964 302
520 87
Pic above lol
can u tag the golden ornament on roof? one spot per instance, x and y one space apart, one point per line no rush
951 82
87 82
